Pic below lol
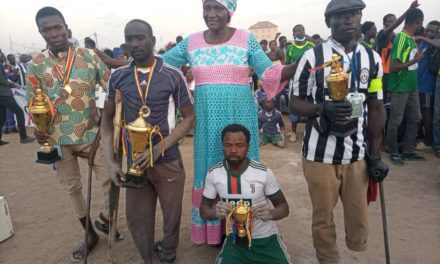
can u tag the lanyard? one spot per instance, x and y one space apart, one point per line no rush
138 84
354 70
63 76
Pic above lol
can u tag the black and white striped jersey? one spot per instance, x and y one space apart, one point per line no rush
311 85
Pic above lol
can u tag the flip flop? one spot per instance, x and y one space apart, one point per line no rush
396 159
103 227
79 254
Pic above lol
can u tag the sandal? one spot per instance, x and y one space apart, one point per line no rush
158 252
412 156
79 254
396 159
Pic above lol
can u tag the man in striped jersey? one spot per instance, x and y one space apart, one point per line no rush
335 165
236 178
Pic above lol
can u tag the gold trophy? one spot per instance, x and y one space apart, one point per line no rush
140 137
337 84
243 221
337 80
42 114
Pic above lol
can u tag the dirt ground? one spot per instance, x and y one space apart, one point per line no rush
46 230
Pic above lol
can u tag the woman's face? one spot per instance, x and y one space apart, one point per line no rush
216 16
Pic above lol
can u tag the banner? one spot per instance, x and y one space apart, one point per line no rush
20 97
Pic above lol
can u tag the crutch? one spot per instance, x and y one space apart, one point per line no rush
384 223
91 162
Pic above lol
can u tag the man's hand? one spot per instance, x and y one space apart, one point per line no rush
414 4
41 137
143 160
116 174
337 111
222 209
262 212
377 169
418 57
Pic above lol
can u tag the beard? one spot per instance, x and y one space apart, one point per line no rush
235 162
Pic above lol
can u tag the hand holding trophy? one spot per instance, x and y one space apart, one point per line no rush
42 113
138 137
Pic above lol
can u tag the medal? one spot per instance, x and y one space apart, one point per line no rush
63 76
68 89
145 110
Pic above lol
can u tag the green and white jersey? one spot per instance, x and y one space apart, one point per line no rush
253 184
294 52
404 50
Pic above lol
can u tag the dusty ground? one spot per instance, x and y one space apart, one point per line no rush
46 231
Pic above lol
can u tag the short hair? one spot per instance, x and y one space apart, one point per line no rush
283 37
413 15
299 25
48 11
109 52
10 55
234 128
273 41
434 23
316 36
366 26
387 16
149 28
264 42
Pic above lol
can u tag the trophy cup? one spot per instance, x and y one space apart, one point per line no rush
42 115
242 222
139 137
337 84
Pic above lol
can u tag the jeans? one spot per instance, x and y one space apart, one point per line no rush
400 101
436 119
10 103
10 120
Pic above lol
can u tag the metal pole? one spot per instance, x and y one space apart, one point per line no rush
384 223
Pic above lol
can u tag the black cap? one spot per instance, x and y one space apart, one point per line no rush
337 6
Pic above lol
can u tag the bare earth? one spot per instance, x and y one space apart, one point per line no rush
47 232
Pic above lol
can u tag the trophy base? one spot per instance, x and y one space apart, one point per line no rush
134 181
47 158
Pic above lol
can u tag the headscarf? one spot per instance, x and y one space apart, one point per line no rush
230 5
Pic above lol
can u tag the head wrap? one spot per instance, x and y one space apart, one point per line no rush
230 5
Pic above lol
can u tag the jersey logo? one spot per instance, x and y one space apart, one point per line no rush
252 185
365 74
234 202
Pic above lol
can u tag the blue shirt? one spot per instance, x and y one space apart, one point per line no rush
270 123
425 78
168 91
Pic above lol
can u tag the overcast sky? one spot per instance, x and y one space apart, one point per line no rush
170 18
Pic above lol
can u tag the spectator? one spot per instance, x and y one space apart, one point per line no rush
369 31
271 125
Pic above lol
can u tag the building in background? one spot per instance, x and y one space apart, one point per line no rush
264 30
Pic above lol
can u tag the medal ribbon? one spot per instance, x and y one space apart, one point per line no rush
63 77
138 84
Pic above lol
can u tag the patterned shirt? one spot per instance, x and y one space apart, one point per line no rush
76 116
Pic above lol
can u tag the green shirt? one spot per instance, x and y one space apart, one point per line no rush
294 52
76 115
404 49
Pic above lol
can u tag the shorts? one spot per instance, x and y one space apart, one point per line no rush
263 250
274 139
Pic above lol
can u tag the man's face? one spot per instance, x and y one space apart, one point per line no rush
299 32
273 45
216 16
235 148
54 31
283 41
139 41
431 31
11 59
345 25
263 46
372 32
389 21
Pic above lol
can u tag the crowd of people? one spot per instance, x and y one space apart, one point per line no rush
234 91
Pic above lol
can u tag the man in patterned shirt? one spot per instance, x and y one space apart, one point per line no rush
75 125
